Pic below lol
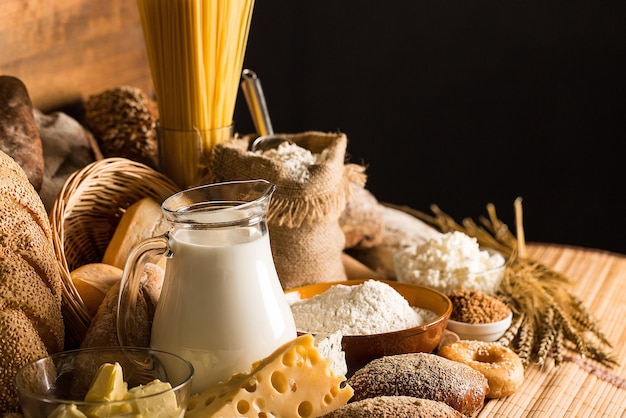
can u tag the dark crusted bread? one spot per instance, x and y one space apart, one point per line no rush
396 407
19 135
422 375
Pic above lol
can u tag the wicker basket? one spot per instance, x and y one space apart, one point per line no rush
84 217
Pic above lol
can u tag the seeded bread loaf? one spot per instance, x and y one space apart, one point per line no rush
422 375
31 322
395 406
123 121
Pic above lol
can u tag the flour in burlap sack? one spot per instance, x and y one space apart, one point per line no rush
303 219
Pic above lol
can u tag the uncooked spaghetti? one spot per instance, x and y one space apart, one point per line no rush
195 50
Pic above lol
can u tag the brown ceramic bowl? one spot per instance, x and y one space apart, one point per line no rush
361 349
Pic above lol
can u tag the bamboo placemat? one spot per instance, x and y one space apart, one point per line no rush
578 388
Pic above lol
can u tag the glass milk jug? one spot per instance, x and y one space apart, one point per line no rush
222 306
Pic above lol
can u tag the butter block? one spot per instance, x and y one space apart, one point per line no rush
108 385
163 406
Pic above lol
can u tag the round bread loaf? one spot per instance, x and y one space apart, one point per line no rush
31 322
395 406
422 375
102 331
93 281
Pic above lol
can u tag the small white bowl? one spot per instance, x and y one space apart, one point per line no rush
480 332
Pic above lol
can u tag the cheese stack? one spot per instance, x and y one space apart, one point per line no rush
31 323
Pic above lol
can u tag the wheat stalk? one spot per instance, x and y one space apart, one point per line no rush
548 319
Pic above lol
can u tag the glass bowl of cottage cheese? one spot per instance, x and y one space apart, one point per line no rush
451 261
374 317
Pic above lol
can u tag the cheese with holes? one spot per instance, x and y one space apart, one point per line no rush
141 220
294 381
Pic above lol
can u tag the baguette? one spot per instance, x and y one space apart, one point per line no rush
31 322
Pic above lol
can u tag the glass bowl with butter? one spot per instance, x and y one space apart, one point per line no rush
105 382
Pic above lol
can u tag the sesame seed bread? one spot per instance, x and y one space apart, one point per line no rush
31 322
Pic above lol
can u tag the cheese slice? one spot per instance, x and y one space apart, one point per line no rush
141 220
294 381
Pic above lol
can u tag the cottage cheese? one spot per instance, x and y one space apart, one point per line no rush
449 262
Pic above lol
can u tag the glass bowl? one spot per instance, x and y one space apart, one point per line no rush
448 280
60 382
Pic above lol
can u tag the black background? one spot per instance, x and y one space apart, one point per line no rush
461 103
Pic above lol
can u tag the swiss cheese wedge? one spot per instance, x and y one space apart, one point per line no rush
294 381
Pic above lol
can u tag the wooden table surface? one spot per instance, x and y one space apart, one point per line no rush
578 388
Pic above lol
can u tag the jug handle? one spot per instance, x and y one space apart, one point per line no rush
129 286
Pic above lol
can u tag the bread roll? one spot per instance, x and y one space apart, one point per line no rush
395 406
19 135
31 322
102 331
422 375
143 219
93 281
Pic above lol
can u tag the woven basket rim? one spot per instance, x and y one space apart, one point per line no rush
98 175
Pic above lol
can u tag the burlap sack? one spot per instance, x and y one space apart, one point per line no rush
303 220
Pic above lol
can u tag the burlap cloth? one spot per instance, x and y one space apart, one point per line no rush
303 219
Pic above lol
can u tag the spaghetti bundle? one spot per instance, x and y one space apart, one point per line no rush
195 49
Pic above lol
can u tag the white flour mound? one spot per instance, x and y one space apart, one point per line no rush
295 159
370 308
